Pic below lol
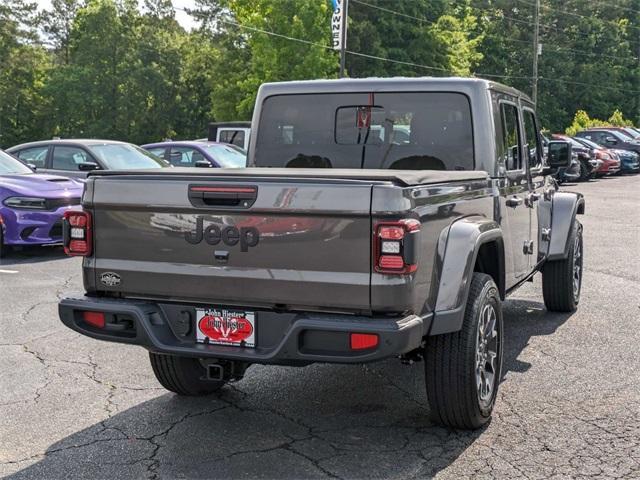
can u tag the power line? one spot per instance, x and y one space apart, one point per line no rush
566 12
391 60
512 40
628 9
424 20
549 27
606 87
511 18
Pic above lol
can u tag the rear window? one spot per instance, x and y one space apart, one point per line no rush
413 131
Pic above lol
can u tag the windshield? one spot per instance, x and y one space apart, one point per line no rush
619 135
122 156
227 156
574 143
631 132
588 143
414 131
11 166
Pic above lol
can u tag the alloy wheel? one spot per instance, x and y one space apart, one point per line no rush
577 267
487 345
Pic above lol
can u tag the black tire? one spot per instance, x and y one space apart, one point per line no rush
4 249
451 367
183 375
560 287
584 173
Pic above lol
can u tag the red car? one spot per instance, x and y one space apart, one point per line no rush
610 161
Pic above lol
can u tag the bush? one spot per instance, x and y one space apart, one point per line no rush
617 120
582 121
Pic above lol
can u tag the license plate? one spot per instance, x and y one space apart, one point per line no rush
226 327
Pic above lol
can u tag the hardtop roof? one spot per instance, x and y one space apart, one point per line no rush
379 84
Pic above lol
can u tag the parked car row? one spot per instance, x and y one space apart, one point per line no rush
41 180
601 151
75 158
32 205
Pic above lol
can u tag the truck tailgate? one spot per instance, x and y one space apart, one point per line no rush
250 241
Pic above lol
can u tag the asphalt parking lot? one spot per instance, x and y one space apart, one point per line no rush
569 403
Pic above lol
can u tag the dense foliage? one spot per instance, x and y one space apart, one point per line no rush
126 68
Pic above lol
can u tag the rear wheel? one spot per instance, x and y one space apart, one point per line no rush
463 368
562 279
183 375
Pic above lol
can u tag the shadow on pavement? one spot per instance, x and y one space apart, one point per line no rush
33 254
525 319
319 421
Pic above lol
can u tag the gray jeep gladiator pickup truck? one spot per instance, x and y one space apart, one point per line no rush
389 218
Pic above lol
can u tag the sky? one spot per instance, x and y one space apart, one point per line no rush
183 18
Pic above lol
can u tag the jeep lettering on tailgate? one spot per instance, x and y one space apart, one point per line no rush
213 234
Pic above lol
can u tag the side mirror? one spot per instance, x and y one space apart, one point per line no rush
559 155
610 140
32 166
203 164
88 166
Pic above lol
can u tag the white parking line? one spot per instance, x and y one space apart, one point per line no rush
9 271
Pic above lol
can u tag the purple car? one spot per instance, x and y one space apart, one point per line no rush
32 205
199 154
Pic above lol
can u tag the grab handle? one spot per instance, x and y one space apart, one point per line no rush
227 196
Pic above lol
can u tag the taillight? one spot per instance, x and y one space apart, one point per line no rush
77 235
395 245
95 319
363 341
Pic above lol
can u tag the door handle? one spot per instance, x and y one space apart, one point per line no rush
513 202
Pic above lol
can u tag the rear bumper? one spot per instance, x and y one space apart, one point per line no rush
282 338
33 227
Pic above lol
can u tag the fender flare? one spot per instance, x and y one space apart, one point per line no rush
464 239
564 208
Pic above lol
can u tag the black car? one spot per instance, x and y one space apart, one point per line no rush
610 139
75 158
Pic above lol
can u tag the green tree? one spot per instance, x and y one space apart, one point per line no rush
23 72
57 25
247 57
437 34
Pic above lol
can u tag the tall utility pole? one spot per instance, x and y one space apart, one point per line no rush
343 36
536 52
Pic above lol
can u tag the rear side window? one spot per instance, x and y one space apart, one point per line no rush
417 131
510 136
68 158
185 156
234 137
34 155
158 151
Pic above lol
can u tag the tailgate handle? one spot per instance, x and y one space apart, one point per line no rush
234 196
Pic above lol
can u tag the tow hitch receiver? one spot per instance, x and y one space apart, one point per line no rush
227 371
